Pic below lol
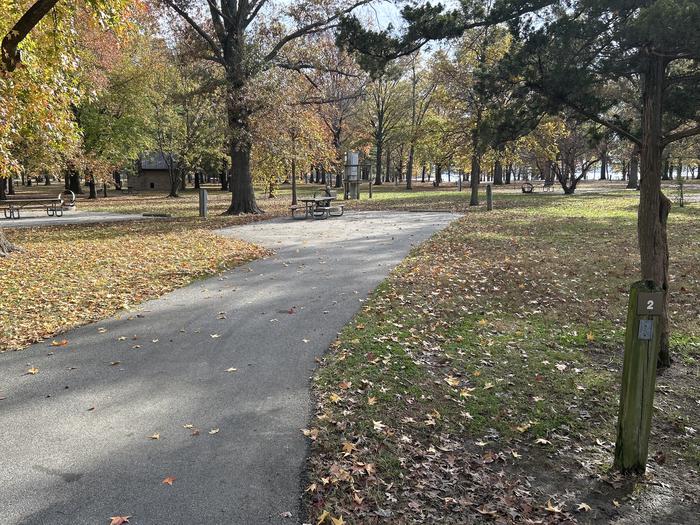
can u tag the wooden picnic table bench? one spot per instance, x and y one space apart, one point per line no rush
528 187
54 206
318 207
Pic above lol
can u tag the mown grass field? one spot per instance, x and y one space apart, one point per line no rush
480 382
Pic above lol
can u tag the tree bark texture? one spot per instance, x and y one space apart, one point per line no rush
654 206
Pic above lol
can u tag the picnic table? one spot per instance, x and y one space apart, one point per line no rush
318 207
547 185
54 206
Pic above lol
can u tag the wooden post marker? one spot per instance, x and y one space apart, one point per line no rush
489 198
642 344
203 198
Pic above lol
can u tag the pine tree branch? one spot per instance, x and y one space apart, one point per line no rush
688 132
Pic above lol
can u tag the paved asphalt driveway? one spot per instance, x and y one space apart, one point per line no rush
74 438
34 219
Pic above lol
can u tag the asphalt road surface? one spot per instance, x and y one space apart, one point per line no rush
37 218
75 445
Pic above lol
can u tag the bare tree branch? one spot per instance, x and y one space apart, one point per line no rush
254 12
300 66
319 25
207 38
10 54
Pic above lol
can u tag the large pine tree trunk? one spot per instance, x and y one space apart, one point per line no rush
654 206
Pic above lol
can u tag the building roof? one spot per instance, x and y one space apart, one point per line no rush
154 160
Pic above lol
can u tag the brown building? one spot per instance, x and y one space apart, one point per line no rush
152 172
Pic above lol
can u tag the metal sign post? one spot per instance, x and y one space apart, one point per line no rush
203 198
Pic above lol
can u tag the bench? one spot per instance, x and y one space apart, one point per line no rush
547 185
54 206
320 206
296 211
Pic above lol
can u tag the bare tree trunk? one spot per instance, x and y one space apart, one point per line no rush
604 166
242 192
388 166
665 175
174 185
633 178
91 185
338 160
378 164
474 180
498 173
654 206
74 182
409 168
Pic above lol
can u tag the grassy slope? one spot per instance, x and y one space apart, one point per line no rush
503 330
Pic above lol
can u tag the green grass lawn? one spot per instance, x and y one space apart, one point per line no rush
482 378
